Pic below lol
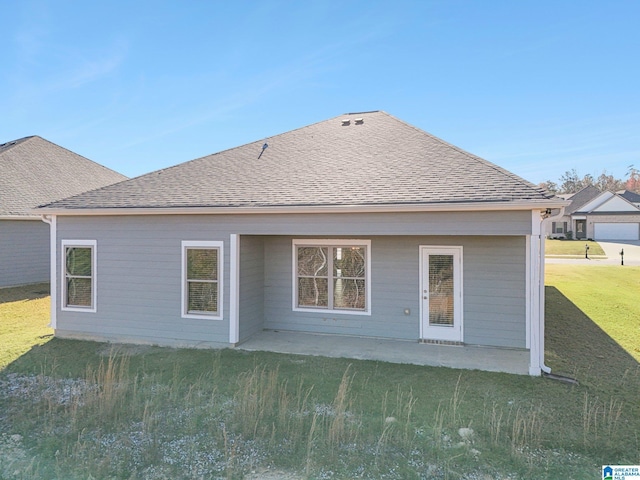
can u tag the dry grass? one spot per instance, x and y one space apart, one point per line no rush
72 409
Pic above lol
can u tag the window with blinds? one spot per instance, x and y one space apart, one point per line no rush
202 279
79 275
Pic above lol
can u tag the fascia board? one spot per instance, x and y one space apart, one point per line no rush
444 207
21 217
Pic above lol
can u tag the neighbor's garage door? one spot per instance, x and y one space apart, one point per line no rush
617 231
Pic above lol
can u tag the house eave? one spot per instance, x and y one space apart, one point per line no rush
21 217
620 213
306 209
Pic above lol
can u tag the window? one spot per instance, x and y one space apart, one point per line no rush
79 275
332 275
202 280
558 227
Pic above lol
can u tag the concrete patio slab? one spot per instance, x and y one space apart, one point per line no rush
394 351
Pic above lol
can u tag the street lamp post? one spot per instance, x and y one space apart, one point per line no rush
622 256
586 251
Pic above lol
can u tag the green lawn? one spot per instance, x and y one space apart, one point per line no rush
572 247
78 410
608 295
24 316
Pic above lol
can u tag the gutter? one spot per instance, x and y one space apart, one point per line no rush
21 217
51 220
303 209
543 223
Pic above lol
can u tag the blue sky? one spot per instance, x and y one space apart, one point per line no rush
538 87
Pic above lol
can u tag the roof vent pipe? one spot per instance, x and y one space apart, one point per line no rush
264 147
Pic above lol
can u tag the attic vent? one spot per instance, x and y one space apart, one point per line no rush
359 121
346 122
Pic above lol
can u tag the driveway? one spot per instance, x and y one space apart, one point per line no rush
612 250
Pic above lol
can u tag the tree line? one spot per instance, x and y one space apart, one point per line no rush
571 182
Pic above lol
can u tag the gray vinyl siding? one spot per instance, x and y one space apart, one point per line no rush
24 252
494 285
430 223
494 291
252 278
138 277
139 274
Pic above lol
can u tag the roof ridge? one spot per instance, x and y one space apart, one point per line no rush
9 144
75 153
286 132
476 158
214 154
362 113
382 163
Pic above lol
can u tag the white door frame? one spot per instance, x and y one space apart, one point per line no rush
441 333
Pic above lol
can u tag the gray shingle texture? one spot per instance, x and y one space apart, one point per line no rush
632 197
580 198
34 171
373 159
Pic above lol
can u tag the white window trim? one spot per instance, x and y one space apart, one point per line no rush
93 244
183 306
332 242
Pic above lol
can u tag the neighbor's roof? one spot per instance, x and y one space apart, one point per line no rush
34 171
633 197
360 160
581 198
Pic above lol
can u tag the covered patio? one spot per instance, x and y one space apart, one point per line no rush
493 359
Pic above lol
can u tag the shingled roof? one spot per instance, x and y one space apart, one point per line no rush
359 159
582 197
34 171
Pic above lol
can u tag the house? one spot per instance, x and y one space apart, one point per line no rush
599 216
359 225
34 171
632 197
561 227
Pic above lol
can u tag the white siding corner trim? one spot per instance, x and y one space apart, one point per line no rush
330 242
186 244
234 290
93 244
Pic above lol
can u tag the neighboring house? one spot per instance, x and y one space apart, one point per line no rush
560 227
632 197
34 171
358 225
597 215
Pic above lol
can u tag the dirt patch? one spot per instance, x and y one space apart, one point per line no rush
268 474
128 349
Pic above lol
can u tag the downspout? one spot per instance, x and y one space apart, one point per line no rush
546 217
51 220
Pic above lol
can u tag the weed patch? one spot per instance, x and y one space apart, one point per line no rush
78 410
